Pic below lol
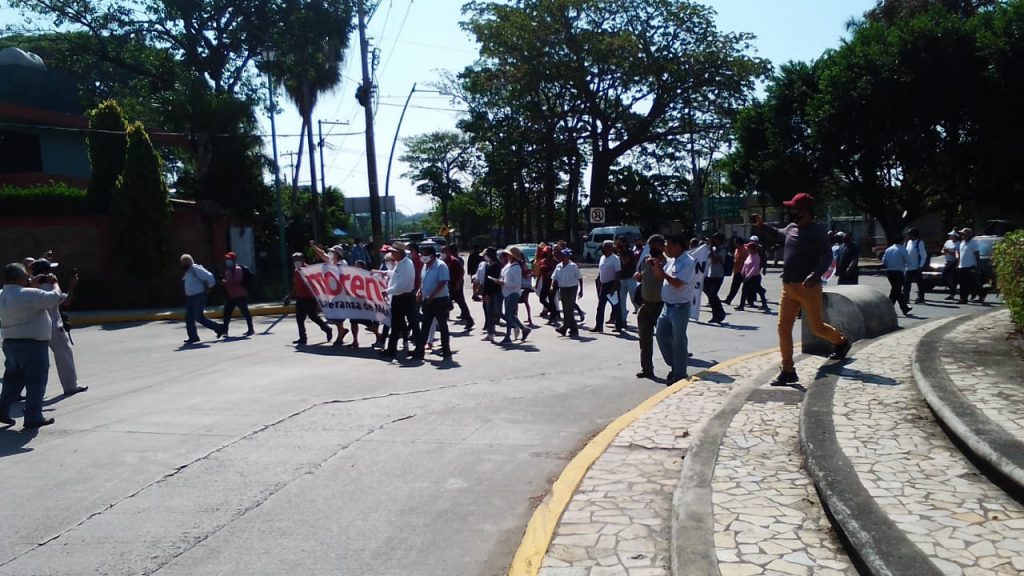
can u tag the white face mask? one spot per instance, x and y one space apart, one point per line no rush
426 259
390 264
297 264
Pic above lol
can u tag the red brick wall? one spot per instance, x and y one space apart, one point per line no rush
83 242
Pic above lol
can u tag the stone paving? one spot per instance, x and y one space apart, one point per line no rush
962 522
618 523
768 519
971 362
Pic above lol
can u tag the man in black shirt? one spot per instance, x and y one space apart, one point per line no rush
807 256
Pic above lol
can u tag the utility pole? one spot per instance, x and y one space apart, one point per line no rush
365 96
323 144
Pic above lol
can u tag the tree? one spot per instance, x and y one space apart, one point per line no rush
140 208
107 147
441 164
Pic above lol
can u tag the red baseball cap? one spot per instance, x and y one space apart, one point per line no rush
231 256
801 200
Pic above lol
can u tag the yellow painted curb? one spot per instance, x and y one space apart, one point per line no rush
541 528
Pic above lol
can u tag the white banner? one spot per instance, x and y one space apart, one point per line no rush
702 256
348 292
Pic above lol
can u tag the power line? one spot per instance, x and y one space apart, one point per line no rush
401 27
425 107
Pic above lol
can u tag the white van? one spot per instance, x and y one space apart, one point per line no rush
597 236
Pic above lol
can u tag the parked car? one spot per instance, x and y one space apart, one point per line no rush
597 236
529 250
931 278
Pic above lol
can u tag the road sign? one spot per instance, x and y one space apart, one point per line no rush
597 215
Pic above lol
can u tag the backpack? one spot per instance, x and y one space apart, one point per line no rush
247 278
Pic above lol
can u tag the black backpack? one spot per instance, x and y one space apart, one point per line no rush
248 278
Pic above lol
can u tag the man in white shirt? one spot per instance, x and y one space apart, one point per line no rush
608 286
402 290
568 281
949 252
676 273
895 261
969 267
918 261
198 282
60 340
25 327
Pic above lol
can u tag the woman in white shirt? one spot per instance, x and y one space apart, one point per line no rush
511 282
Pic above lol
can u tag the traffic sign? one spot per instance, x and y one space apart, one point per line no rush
597 215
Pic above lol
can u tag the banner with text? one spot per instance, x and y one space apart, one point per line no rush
349 293
702 256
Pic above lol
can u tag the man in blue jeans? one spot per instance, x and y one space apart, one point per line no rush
676 273
26 327
198 281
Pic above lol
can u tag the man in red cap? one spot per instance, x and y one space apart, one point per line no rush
236 282
807 256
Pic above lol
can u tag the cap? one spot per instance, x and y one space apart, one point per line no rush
298 256
43 266
567 252
337 249
231 256
429 247
964 231
385 248
840 234
755 239
953 233
801 200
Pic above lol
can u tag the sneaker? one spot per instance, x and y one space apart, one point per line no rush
786 379
841 351
191 341
561 330
300 341
40 423
505 342
643 374
250 333
526 333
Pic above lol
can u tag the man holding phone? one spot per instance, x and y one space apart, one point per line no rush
807 256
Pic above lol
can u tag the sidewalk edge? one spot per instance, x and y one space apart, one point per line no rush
540 530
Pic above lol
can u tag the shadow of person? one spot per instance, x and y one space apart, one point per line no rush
14 441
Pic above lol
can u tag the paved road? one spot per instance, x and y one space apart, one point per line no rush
252 457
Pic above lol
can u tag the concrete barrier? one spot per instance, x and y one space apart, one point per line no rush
859 312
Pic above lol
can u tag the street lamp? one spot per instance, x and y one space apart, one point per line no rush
268 58
387 178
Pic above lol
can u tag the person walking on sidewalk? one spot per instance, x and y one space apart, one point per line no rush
567 280
60 339
434 298
806 257
305 303
236 280
752 278
198 283
968 269
608 285
716 277
675 273
949 251
402 289
895 261
848 263
650 310
739 256
917 262
26 327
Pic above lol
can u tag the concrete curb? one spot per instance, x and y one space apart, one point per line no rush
873 541
693 521
995 449
99 318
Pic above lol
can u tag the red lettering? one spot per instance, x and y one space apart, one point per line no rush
357 286
334 287
316 282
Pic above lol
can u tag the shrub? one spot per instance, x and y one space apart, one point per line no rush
1008 259
53 199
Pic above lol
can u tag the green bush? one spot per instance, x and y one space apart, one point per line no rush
1008 259
55 198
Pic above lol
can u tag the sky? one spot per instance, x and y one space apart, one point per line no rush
419 39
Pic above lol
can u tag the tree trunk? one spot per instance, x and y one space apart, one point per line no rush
600 172
298 159
572 197
548 201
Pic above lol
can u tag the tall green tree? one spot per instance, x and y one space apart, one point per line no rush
441 165
107 147
140 208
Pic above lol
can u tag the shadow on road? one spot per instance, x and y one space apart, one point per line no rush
13 442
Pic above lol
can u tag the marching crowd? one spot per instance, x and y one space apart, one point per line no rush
426 282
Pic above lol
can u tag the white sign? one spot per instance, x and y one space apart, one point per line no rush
597 215
702 256
348 292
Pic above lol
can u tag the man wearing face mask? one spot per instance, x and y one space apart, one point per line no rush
305 303
806 257
647 316
238 295
434 300
402 290
198 283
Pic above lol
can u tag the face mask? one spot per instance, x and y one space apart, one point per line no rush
426 259
297 265
229 263
390 264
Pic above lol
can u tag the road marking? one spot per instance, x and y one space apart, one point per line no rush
541 528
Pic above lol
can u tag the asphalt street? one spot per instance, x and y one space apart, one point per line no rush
250 456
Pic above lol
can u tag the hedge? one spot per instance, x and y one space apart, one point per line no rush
1008 259
55 198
